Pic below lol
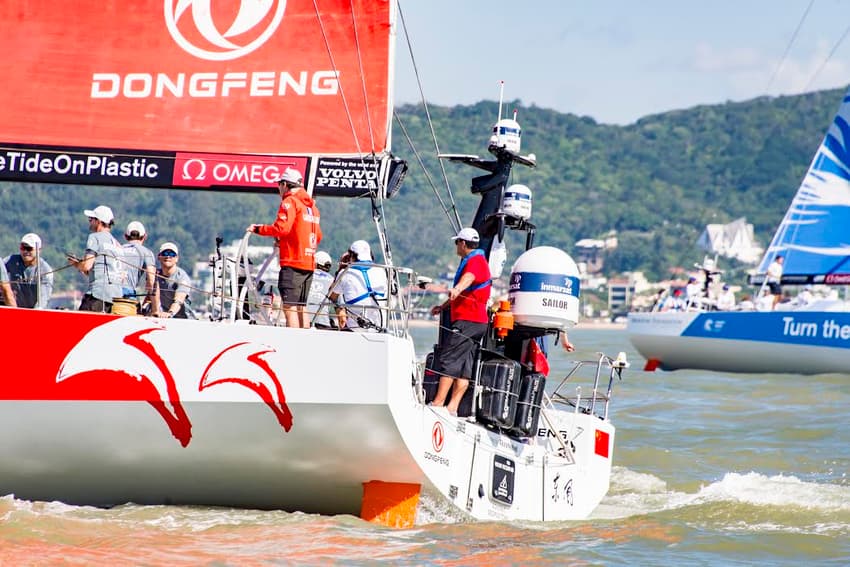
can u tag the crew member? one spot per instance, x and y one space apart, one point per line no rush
298 232
467 301
6 287
31 276
774 279
100 262
171 291
139 262
317 301
362 288
726 299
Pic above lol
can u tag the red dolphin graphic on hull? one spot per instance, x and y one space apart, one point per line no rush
134 359
266 385
121 374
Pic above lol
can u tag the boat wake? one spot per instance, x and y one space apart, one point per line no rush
743 501
433 509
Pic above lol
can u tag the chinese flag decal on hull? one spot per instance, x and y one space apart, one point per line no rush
602 443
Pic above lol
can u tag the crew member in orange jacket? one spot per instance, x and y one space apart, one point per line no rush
298 232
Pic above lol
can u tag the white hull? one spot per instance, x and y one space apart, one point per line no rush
101 454
131 409
470 470
795 342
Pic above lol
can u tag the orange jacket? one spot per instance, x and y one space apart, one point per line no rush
297 230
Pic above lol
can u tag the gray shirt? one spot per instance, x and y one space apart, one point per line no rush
25 281
106 275
4 278
169 285
137 259
319 289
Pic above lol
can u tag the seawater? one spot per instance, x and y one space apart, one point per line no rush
709 469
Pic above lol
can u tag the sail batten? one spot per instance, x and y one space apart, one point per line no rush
257 86
811 235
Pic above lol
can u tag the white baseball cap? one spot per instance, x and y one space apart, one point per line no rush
323 259
468 234
169 246
31 239
135 226
101 213
362 249
291 176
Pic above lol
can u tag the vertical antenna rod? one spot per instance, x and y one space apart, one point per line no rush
501 96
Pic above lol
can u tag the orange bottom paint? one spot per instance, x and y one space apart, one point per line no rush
392 504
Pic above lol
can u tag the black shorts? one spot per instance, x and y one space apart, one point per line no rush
457 353
91 303
775 288
294 285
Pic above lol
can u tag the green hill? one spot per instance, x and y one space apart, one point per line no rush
658 182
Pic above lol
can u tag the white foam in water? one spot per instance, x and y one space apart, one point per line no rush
433 509
634 493
778 490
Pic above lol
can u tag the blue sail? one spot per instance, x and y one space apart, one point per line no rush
813 236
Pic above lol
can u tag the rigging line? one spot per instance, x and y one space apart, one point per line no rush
828 57
457 224
363 76
424 169
788 47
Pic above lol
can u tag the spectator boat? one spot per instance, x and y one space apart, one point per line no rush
810 339
235 410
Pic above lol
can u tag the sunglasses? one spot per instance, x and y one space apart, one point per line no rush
168 254
26 248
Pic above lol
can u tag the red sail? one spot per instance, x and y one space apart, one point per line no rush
152 78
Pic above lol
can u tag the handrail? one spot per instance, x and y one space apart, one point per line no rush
395 309
243 262
553 427
588 404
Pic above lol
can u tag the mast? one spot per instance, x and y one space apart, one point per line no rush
490 219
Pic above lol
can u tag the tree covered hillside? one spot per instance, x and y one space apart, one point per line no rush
657 182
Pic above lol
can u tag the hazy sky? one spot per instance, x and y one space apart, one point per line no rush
618 60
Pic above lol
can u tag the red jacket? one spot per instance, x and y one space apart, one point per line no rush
297 230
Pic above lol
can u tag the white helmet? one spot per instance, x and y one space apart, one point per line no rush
323 259
291 176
